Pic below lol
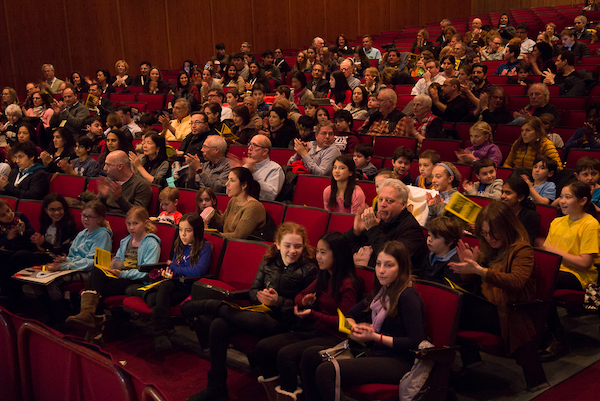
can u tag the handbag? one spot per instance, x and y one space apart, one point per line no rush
591 300
340 351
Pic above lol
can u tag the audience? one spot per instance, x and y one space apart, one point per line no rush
317 157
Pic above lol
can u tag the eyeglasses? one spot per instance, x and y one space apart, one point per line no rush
197 122
486 234
57 209
88 217
253 145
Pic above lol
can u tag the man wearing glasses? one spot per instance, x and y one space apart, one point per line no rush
214 172
178 128
494 49
268 173
318 85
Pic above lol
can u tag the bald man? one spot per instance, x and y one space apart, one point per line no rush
269 174
476 36
121 189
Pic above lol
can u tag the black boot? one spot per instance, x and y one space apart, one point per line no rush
161 317
216 390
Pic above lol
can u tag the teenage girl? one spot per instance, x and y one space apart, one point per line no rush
140 247
515 194
343 195
391 321
446 178
481 139
336 287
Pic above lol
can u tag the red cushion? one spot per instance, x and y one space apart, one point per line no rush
375 391
138 305
114 301
569 296
480 338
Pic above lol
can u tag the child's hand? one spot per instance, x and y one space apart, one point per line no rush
37 239
525 178
166 273
467 185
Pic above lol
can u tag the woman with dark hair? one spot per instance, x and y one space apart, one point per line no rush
339 92
343 195
42 107
154 165
244 215
243 127
342 45
358 106
505 29
448 65
337 286
233 79
541 58
256 76
186 90
115 140
390 320
81 84
103 79
188 67
492 107
515 194
506 267
361 61
61 147
532 143
299 94
281 129
155 83
280 62
287 268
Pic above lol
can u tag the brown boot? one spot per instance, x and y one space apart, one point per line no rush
96 335
269 384
283 395
86 319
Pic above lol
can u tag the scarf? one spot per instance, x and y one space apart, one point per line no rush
298 95
39 110
421 127
378 312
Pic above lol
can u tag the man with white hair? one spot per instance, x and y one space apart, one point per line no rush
539 103
51 83
580 31
318 44
214 172
347 67
386 120
122 189
180 126
445 23
392 222
476 36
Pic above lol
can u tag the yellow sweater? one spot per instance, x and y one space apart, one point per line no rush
524 156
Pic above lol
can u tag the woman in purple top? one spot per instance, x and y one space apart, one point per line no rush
481 138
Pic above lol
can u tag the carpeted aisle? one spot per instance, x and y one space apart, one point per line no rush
584 386
176 374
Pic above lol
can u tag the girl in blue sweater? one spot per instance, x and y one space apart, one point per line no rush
191 258
140 247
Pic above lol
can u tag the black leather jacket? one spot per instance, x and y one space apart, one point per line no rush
287 281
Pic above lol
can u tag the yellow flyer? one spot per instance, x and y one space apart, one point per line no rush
463 208
102 260
343 325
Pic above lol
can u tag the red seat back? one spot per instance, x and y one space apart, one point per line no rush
32 209
167 234
238 272
369 189
442 310
187 200
281 155
118 228
67 185
576 154
153 102
548 264
218 244
11 200
367 274
341 222
547 214
309 190
315 220
384 146
276 210
446 148
9 367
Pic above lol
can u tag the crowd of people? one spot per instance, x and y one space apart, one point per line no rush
73 127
